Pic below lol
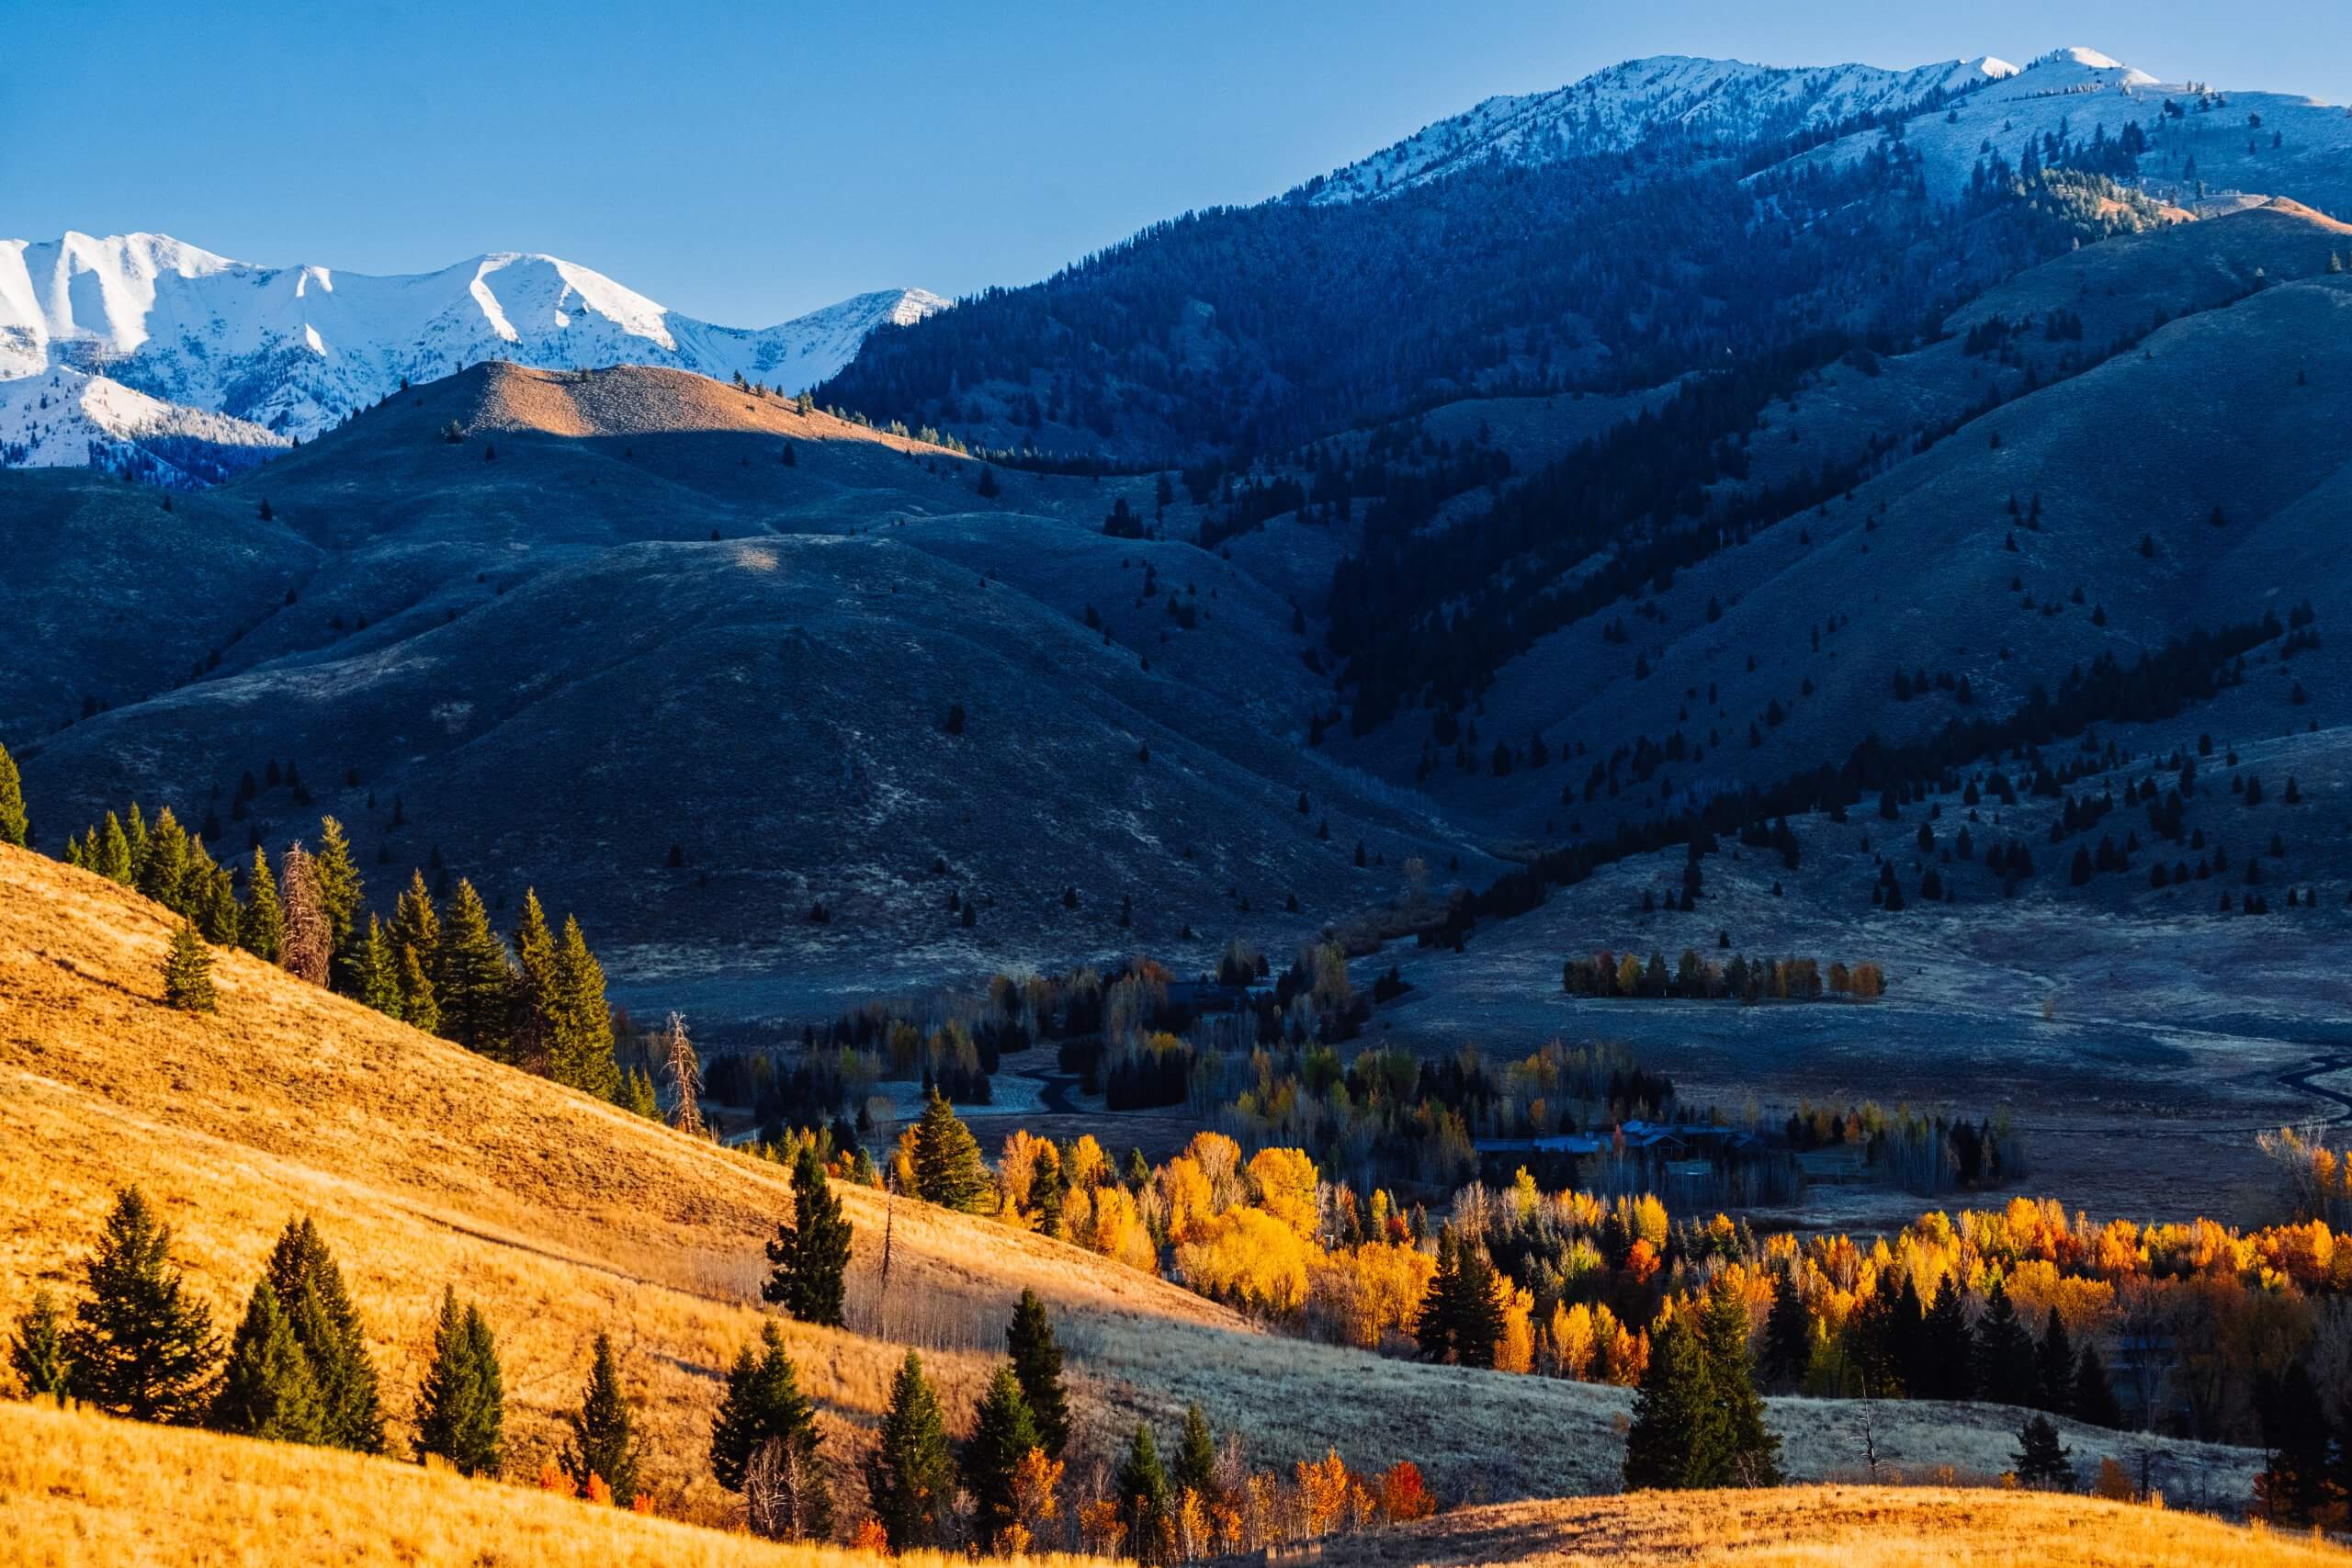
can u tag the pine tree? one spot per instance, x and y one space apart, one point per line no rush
267 1390
948 1170
13 825
1002 1434
810 1252
1751 1453
2094 1403
1478 1317
415 924
113 859
910 1479
580 1022
341 896
135 831
140 1346
38 1352
534 987
1433 1325
601 1443
763 1404
1143 1499
375 975
1949 1358
471 980
1677 1429
1788 1333
2005 1373
1197 1456
637 1095
2041 1459
165 865
418 1004
2055 1369
214 898
188 971
326 1324
1038 1362
263 925
461 1405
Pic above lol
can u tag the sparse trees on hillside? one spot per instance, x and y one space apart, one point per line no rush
603 1441
188 971
461 1405
810 1252
141 1346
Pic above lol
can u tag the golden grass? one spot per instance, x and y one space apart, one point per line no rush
1832 1527
643 400
424 1164
78 1489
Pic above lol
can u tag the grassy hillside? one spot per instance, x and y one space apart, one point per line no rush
1834 1527
425 1165
80 1488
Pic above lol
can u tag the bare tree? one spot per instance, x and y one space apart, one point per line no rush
775 1488
680 1065
308 943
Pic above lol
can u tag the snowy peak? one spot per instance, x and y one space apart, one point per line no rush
1724 103
296 349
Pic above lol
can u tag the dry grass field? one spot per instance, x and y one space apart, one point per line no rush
1831 1527
425 1165
81 1489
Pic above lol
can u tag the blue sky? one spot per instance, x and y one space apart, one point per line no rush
746 161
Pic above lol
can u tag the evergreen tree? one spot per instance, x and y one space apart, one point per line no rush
415 923
1788 1333
113 859
1002 1434
135 832
2041 1459
580 1024
948 1169
418 1004
375 975
326 1324
188 971
461 1406
763 1404
13 825
337 878
1143 1499
1197 1456
1750 1455
1433 1325
810 1252
1677 1430
140 1346
38 1352
267 1390
2006 1373
910 1479
216 910
164 867
1478 1317
637 1095
602 1442
2095 1403
1949 1359
2293 1486
263 925
2055 1369
1038 1363
471 981
534 1004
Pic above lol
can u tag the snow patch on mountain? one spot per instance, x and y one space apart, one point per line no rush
298 349
1728 102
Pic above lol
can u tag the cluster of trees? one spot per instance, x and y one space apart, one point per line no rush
1920 1153
540 1007
1740 978
297 1368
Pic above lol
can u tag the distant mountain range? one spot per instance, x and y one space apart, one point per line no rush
125 350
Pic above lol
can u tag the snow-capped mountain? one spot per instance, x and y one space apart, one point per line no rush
295 349
66 418
1729 102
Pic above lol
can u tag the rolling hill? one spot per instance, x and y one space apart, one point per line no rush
424 1164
